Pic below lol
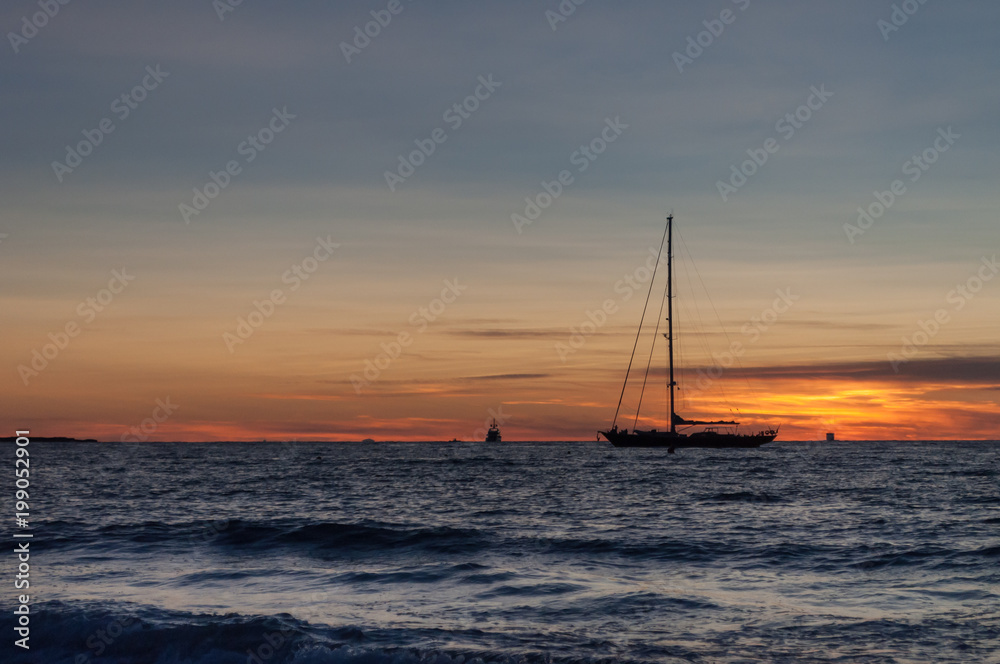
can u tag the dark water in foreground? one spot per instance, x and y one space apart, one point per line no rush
571 552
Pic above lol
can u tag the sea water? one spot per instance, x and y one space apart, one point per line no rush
512 552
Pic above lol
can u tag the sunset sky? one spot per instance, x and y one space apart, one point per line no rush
334 222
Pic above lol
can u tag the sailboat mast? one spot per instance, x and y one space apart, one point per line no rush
670 316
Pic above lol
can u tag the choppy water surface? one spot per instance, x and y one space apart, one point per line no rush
575 552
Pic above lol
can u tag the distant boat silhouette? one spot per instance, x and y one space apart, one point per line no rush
716 434
493 435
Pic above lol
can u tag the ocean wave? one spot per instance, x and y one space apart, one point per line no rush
469 545
101 634
98 633
239 534
364 538
929 555
532 590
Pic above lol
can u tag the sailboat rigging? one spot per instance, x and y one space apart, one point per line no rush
716 434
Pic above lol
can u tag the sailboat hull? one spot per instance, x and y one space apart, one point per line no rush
705 439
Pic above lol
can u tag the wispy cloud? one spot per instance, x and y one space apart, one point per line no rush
511 376
959 369
524 333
